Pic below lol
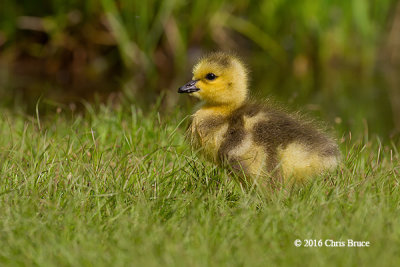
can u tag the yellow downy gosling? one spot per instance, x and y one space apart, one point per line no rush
255 139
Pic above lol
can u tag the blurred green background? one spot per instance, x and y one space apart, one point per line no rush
339 60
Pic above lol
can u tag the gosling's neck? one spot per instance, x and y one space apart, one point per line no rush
221 109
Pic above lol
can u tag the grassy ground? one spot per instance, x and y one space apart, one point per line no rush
116 187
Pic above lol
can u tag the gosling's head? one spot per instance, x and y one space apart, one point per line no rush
218 79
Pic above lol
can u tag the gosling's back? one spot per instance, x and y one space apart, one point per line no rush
260 140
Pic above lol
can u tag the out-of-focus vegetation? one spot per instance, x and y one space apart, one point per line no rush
336 58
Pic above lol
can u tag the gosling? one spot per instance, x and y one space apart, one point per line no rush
257 140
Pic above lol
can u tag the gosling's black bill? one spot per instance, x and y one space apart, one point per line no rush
190 87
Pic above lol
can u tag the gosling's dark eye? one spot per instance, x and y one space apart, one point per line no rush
211 76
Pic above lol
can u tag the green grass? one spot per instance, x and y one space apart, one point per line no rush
117 187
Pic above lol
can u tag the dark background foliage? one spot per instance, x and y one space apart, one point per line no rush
338 60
